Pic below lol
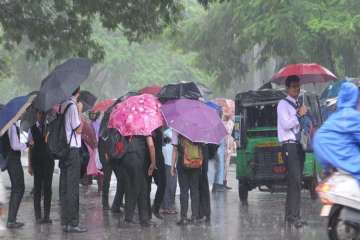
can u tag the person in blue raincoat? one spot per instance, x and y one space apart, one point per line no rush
337 143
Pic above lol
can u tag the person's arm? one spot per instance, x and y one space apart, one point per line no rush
75 119
286 120
174 159
151 147
15 143
30 139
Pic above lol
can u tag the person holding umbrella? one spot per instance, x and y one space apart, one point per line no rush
289 112
135 119
12 147
70 167
41 166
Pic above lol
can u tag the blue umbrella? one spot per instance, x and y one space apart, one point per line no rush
13 110
215 106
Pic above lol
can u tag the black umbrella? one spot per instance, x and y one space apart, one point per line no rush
88 100
62 82
181 90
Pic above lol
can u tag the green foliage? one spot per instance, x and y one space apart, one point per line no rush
325 31
63 28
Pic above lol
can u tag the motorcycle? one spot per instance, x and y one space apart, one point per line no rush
340 195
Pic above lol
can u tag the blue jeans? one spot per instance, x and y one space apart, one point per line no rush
220 164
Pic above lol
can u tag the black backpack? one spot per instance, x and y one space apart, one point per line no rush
57 142
117 144
4 150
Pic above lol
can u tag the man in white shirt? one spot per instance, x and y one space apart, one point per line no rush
289 112
70 168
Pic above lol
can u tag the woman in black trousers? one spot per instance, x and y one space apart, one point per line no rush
41 166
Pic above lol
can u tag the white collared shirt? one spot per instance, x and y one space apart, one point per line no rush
72 122
14 139
287 121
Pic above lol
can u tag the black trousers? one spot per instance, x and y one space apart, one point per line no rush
69 188
189 181
108 168
16 174
43 173
136 185
205 208
159 176
294 157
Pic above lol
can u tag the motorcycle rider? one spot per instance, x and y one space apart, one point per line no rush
337 143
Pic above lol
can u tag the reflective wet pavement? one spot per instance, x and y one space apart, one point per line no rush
262 219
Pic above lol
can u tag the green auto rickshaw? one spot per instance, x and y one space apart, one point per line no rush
259 162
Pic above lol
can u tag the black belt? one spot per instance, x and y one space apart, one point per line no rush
290 141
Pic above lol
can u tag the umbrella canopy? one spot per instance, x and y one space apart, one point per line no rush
228 106
137 115
13 110
154 90
62 82
88 100
103 105
307 72
194 120
187 90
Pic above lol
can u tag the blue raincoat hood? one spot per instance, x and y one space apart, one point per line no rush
337 142
348 95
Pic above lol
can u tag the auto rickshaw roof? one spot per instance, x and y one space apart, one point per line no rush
264 96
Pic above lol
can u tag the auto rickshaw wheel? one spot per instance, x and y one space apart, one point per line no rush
243 188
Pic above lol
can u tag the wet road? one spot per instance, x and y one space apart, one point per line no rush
262 219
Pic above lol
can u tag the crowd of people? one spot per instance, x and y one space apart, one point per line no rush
164 157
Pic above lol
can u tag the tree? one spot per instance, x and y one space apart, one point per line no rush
324 31
59 28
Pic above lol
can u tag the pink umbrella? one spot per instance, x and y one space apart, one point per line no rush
137 115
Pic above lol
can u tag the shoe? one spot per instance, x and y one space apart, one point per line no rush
218 188
65 228
76 229
129 223
13 225
297 223
38 220
145 224
182 222
116 210
106 207
46 221
157 214
226 186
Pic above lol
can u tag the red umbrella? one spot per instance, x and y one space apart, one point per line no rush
154 90
307 72
102 106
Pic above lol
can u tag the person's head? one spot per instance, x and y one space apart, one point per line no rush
76 93
348 96
93 115
40 116
292 84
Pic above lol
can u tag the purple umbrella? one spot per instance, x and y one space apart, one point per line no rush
194 120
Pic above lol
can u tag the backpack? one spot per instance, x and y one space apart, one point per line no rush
117 144
4 150
192 154
57 142
307 129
